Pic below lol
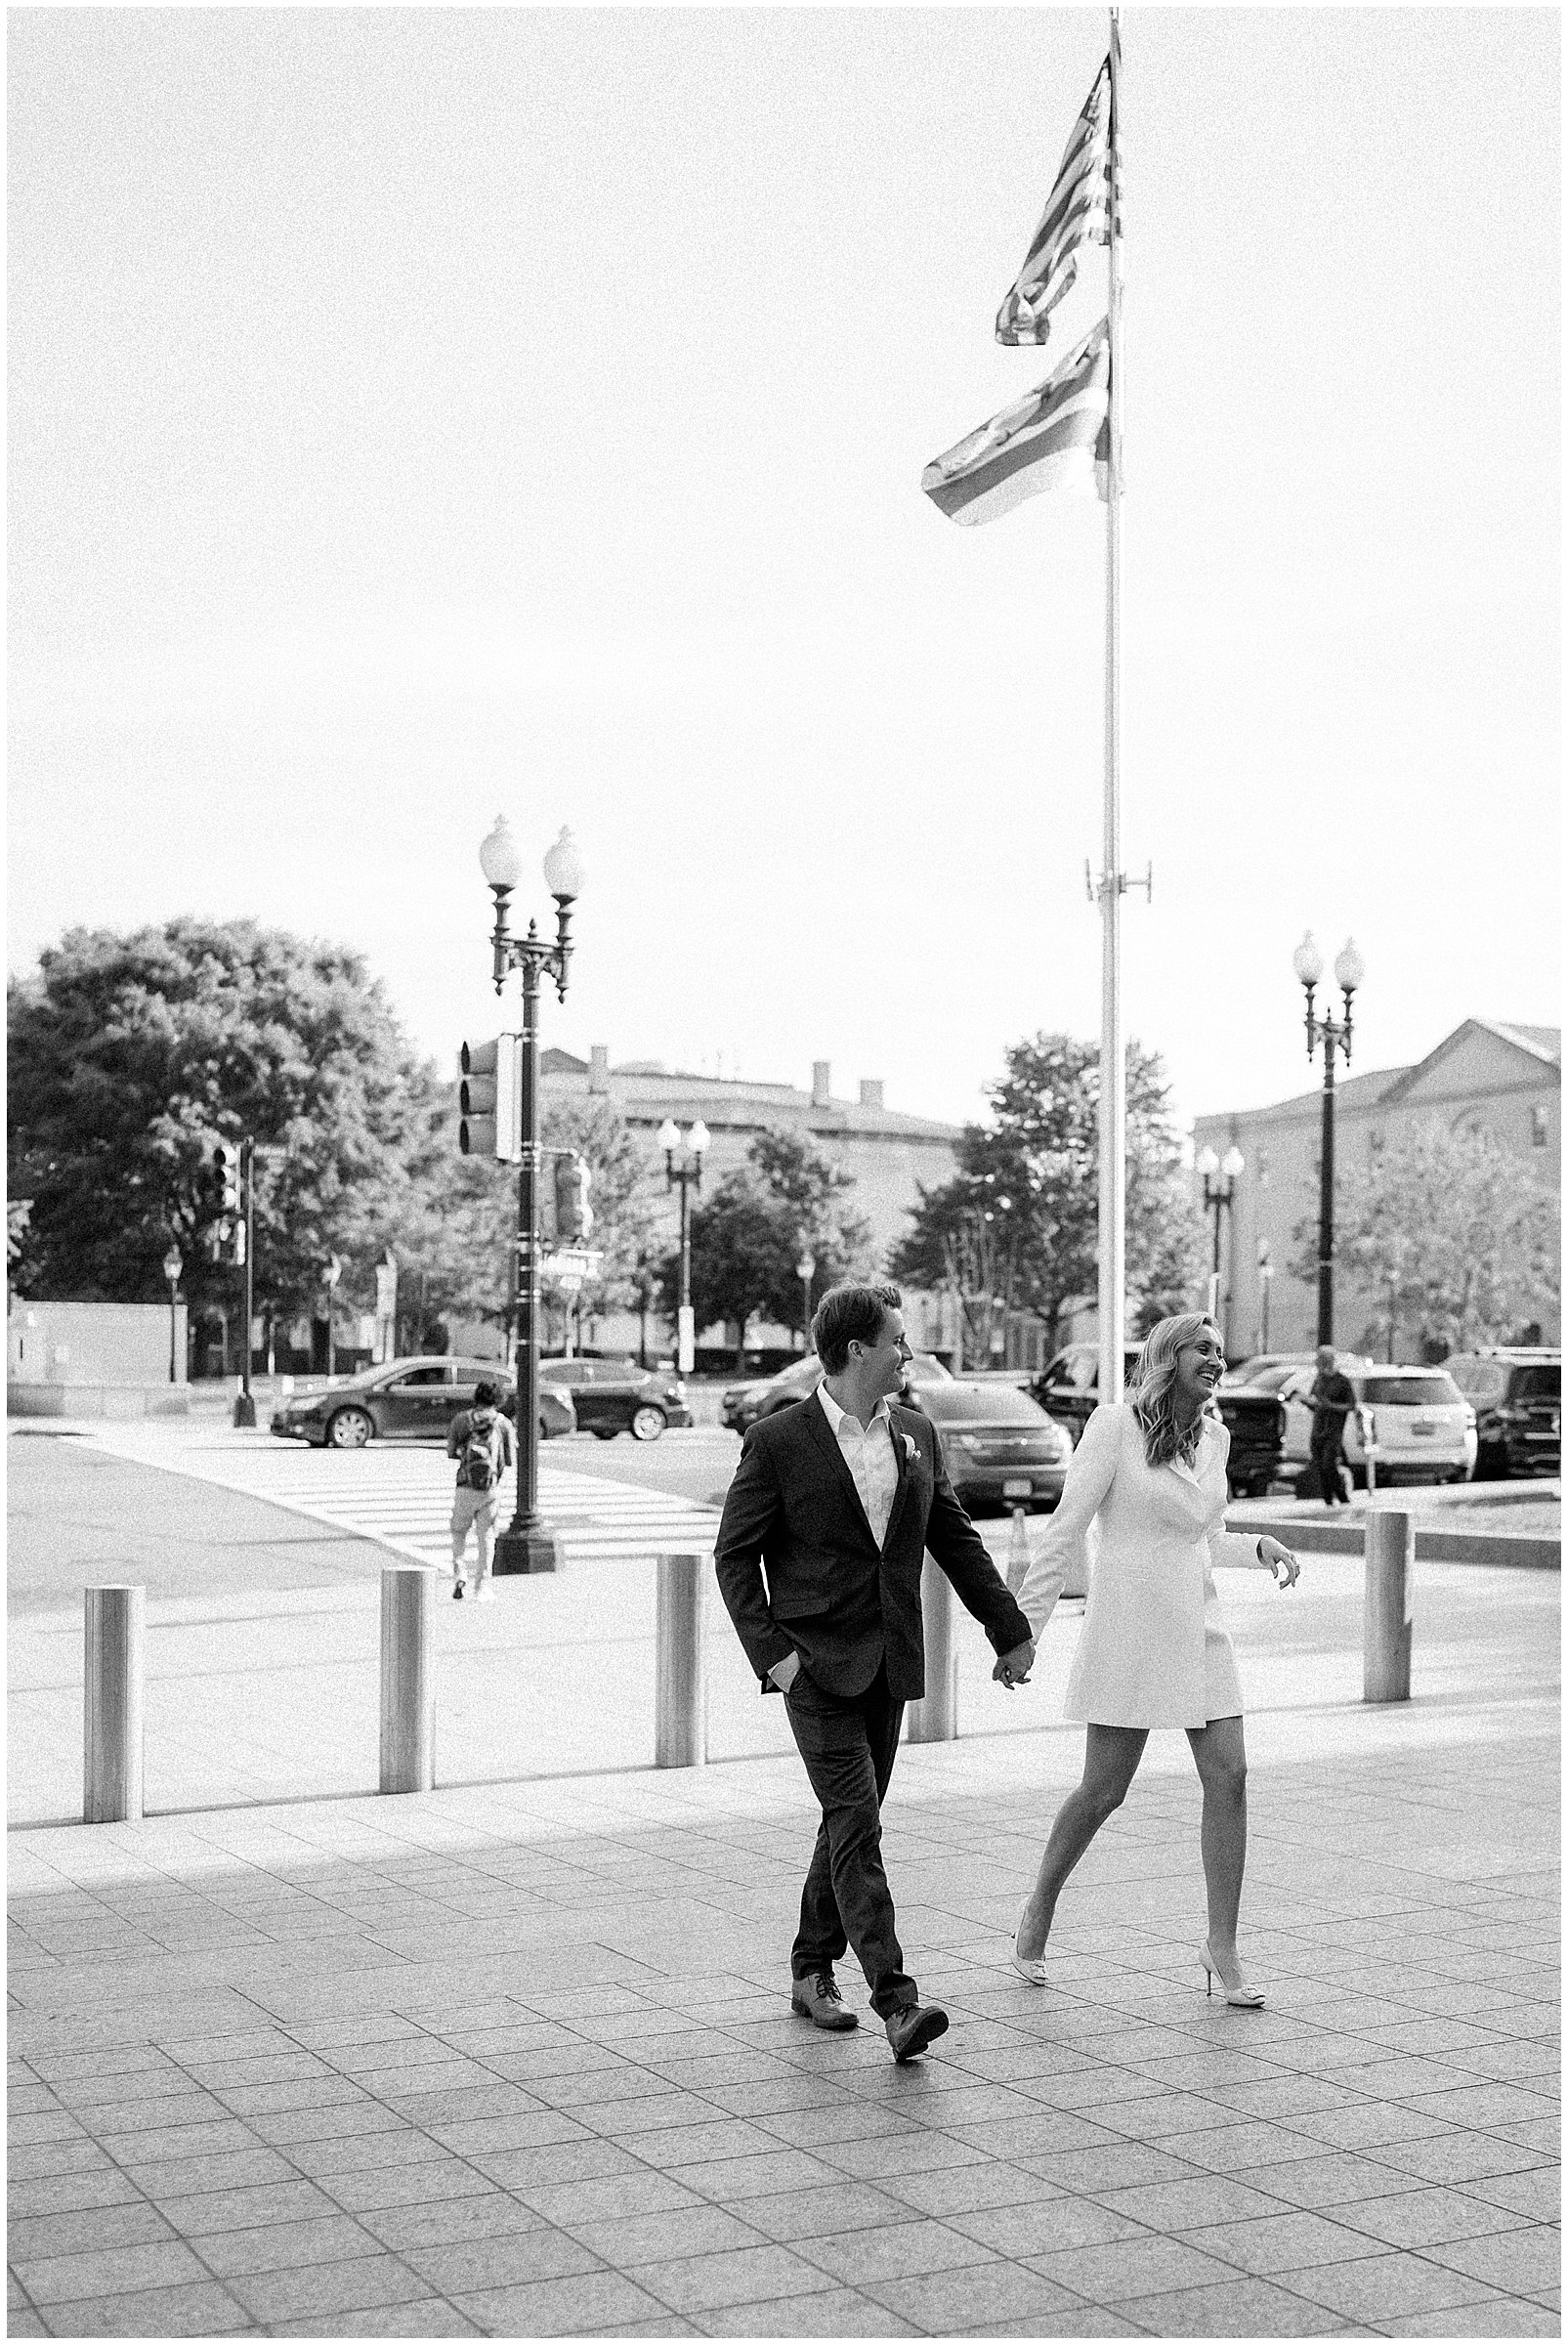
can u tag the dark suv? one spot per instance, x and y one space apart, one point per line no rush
1068 1389
1518 1398
616 1397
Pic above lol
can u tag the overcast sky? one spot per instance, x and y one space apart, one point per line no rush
419 413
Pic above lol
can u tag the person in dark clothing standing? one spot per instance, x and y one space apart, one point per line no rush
1333 1397
837 1500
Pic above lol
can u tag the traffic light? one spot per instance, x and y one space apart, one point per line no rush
574 1215
230 1233
225 1164
489 1099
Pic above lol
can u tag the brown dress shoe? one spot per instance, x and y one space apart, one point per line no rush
911 2029
815 1997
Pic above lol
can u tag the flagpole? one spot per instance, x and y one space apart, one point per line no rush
1113 1066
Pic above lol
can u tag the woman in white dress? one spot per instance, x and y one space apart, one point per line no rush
1149 1474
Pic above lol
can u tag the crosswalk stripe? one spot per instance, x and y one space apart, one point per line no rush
402 1498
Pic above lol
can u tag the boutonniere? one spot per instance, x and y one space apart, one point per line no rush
911 1447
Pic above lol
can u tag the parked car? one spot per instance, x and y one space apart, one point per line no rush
616 1397
1422 1425
1269 1369
744 1404
407 1400
1068 1389
1000 1447
1516 1394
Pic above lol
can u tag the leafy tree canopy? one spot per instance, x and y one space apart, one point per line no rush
460 1226
747 1238
1018 1226
1454 1234
131 1055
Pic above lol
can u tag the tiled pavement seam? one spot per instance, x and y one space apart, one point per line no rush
663 2143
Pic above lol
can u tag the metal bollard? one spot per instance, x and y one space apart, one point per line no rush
1018 1554
936 1718
407 1681
680 1699
1387 1620
114 1620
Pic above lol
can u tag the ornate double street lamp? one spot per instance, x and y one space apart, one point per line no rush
1348 972
689 1174
527 1543
173 1264
1218 1197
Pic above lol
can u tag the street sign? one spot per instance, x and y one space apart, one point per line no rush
576 1262
686 1320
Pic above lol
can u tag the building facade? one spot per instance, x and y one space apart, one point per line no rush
1505 1079
889 1154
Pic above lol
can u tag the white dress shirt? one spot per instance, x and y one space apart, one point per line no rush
869 1454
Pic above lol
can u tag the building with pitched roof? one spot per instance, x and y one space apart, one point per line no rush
1487 1074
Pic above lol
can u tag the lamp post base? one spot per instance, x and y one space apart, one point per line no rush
536 1548
244 1409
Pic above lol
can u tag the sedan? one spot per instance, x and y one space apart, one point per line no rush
1000 1447
616 1397
407 1400
744 1404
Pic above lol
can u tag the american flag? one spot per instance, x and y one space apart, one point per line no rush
1057 438
1078 212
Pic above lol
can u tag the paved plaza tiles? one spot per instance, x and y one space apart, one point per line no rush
517 2059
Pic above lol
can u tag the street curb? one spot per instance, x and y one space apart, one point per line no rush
1502 1550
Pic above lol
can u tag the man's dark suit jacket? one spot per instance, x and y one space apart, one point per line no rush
830 1594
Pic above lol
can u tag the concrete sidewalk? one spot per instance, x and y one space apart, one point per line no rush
517 2060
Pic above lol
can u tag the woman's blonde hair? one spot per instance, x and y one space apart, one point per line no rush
1153 1390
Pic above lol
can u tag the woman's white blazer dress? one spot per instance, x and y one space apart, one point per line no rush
1154 1651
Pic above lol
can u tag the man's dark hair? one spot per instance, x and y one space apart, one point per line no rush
484 1396
851 1313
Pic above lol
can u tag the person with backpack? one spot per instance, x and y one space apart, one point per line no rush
481 1440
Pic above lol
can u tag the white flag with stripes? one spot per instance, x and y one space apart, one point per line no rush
1057 438
1077 212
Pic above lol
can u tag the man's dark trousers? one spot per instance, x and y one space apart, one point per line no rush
1328 1459
849 1743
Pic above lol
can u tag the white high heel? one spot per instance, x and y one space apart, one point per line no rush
1035 1972
1241 1996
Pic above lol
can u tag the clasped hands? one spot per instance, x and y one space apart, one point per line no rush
1013 1668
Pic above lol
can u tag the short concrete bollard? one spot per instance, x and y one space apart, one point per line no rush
936 1718
680 1700
408 1681
112 1675
1386 1625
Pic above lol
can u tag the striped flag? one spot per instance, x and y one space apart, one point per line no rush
1078 212
1057 438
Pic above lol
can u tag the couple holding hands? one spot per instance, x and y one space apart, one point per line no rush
837 1500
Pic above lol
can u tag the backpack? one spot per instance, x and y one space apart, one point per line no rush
476 1466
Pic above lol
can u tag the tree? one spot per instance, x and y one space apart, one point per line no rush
456 1243
747 1239
1019 1225
1455 1236
130 1056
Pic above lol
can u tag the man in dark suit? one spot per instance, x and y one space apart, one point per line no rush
837 1499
